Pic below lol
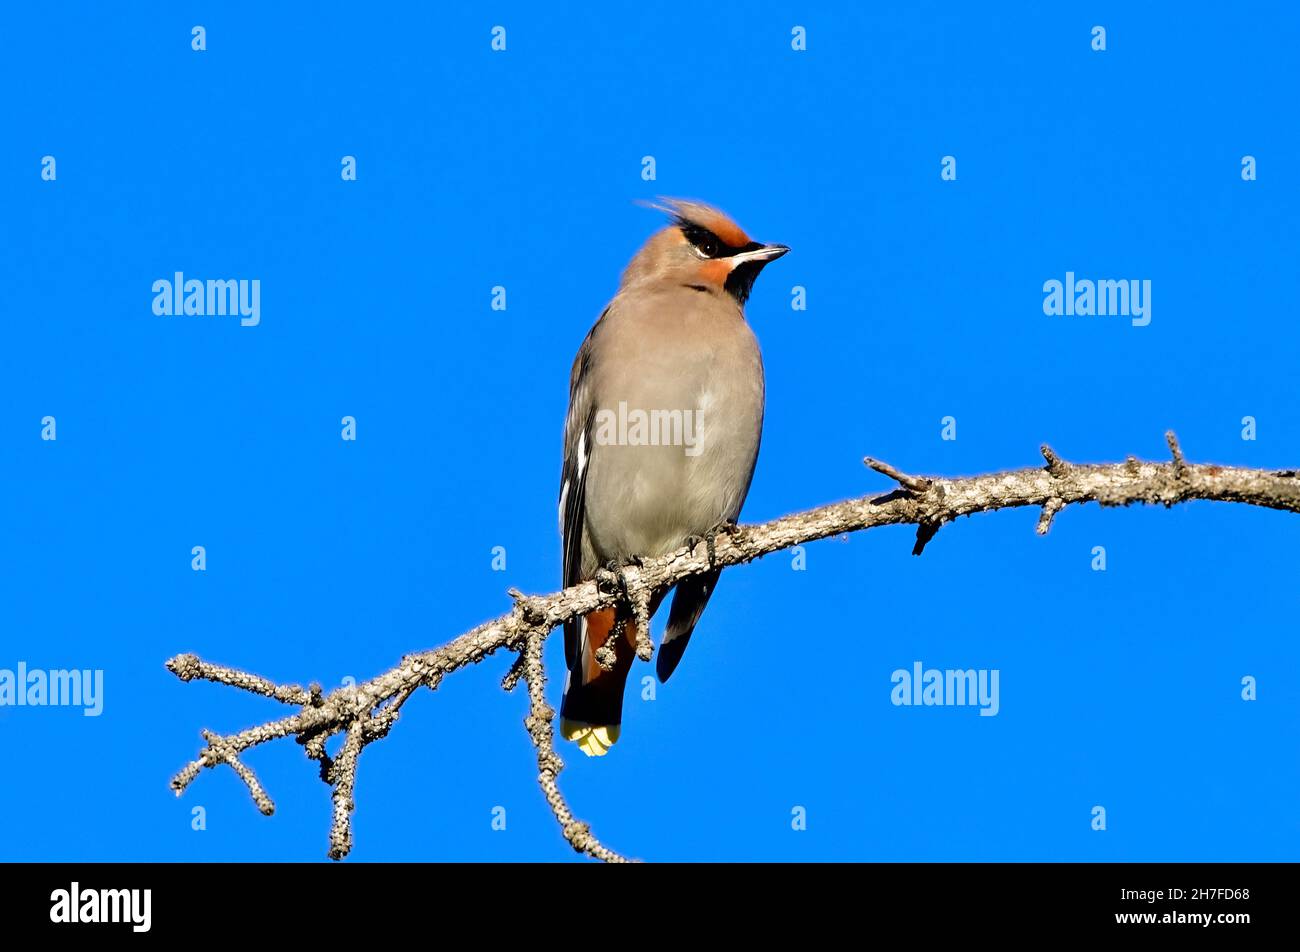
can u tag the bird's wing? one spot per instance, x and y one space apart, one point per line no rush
689 598
573 479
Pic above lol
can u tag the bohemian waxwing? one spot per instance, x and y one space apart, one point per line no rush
665 415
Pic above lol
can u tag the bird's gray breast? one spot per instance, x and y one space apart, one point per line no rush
678 413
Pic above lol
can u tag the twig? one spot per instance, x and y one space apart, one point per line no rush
1055 465
1180 464
916 484
1050 509
539 724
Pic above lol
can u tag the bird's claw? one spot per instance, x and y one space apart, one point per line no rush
710 539
612 576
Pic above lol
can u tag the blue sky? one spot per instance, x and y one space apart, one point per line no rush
328 559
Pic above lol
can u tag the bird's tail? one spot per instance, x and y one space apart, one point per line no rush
592 709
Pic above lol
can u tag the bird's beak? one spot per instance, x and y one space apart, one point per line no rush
759 256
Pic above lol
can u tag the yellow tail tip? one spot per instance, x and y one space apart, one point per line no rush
594 741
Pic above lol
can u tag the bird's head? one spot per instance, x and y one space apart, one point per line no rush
702 249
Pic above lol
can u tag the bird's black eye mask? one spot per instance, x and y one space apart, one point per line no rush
709 244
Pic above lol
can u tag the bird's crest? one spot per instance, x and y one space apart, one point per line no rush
685 212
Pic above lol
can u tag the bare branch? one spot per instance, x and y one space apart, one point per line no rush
638 594
344 777
1180 464
539 724
914 484
1055 465
366 712
188 667
1050 509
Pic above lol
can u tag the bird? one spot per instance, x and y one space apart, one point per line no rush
661 438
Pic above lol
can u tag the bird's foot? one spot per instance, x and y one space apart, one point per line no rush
691 541
612 575
710 539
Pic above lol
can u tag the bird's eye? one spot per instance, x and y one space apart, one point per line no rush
703 241
708 246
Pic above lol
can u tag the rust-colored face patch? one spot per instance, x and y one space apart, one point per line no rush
715 272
